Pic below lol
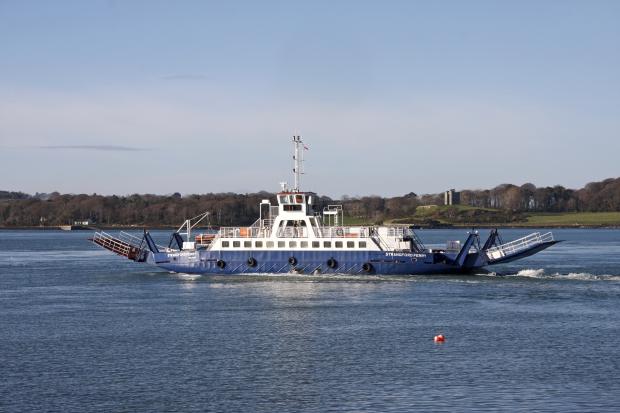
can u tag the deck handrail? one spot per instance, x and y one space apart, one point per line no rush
522 243
332 231
295 232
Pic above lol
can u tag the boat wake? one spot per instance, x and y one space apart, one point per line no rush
333 277
293 277
187 277
578 276
531 273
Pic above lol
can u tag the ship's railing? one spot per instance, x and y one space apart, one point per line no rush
325 232
130 238
520 244
137 241
125 244
259 224
239 232
292 232
388 238
256 231
116 245
399 232
268 223
418 245
345 232
380 241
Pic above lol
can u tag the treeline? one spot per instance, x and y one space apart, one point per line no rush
148 210
13 195
19 209
507 199
601 196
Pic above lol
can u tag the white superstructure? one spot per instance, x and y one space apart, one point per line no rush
294 223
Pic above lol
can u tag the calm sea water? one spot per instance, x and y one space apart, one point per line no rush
82 330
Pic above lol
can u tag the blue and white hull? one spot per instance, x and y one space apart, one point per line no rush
306 262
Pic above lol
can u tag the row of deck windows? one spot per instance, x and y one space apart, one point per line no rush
294 244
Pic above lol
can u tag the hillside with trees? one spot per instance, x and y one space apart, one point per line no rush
503 204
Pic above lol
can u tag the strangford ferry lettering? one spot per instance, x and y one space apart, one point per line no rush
297 235
404 254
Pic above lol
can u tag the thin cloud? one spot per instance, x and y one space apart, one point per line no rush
95 148
185 77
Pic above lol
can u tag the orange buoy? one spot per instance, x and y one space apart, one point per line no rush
439 338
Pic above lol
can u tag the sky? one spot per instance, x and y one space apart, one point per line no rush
122 97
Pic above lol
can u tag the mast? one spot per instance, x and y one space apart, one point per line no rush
298 157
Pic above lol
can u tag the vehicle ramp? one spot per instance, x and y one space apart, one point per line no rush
519 248
125 245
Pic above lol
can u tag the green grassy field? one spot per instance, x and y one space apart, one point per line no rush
566 219
462 215
357 221
575 218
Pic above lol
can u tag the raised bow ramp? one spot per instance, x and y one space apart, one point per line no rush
520 248
125 245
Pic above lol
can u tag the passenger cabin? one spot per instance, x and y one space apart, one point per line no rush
295 224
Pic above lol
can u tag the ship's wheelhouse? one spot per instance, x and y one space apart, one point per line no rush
296 217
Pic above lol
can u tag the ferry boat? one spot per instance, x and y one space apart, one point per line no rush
293 236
